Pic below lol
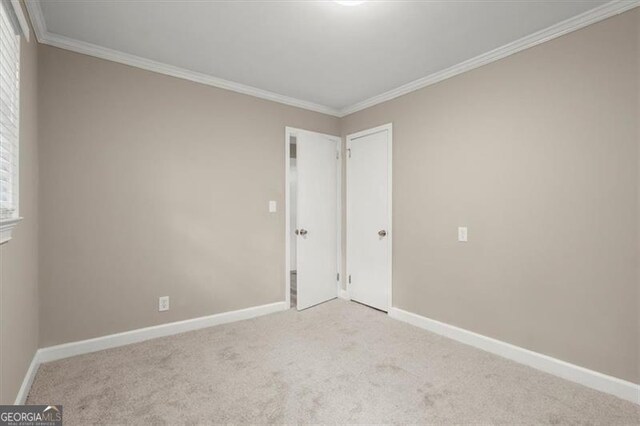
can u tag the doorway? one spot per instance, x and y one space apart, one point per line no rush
369 201
313 213
293 198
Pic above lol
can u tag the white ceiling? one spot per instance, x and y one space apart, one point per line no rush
328 56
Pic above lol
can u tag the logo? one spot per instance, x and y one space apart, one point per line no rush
30 415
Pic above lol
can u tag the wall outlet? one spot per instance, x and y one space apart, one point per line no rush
272 207
163 303
462 234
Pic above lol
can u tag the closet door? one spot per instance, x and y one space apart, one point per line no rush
369 217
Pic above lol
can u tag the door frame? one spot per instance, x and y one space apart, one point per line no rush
289 132
348 139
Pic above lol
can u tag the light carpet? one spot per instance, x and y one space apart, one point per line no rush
339 362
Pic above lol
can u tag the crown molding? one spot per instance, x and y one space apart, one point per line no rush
592 16
37 19
577 22
63 42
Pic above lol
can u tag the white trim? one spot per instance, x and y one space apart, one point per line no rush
53 353
6 228
7 225
339 218
587 18
592 379
289 132
390 207
344 294
388 128
592 16
66 350
22 19
21 398
37 19
63 42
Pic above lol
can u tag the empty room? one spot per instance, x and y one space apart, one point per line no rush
319 212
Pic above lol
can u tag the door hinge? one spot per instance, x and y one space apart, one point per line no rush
349 279
337 155
349 152
338 276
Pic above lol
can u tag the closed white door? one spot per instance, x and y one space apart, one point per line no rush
369 217
317 221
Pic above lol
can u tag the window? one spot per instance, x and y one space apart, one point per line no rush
12 22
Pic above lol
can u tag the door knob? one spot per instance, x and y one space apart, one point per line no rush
382 233
303 232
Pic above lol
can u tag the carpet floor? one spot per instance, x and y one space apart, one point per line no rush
339 362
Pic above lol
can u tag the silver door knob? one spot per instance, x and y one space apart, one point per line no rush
382 233
303 232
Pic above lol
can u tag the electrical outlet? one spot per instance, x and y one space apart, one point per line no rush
163 303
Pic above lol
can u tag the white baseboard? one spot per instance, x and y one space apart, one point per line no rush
601 382
592 379
21 398
344 294
66 350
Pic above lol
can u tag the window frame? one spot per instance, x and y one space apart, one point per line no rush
20 26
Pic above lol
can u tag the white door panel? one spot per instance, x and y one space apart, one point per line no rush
317 204
369 217
293 192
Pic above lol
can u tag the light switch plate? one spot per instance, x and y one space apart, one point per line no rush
272 207
462 234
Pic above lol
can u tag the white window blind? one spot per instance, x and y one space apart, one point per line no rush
9 112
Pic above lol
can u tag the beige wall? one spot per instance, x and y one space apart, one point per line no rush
155 186
538 155
19 257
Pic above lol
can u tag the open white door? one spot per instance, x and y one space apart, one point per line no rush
369 217
317 217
